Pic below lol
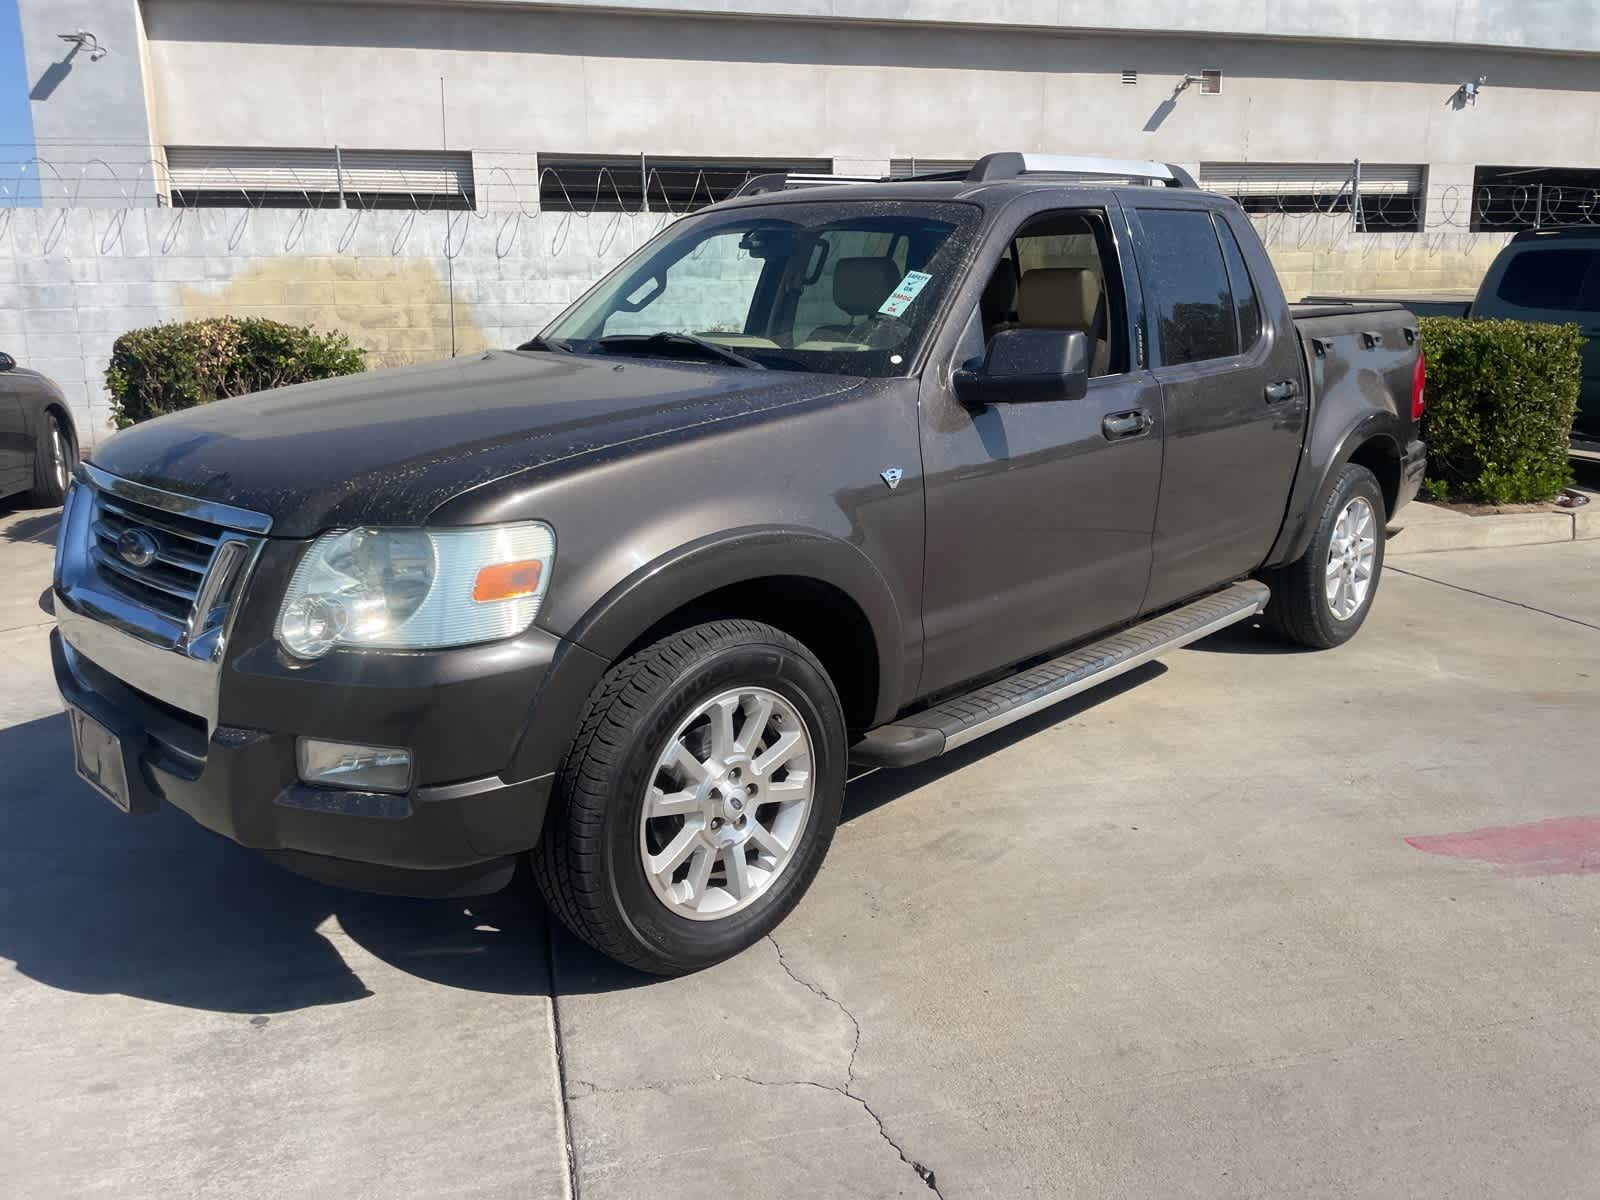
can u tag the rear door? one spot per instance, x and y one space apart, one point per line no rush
1038 515
1232 392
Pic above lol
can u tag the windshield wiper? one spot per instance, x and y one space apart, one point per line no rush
544 343
634 343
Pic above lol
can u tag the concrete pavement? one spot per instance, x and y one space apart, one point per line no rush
178 1018
1168 940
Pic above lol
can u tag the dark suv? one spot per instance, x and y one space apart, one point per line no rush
820 475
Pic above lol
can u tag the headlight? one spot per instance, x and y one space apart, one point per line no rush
415 589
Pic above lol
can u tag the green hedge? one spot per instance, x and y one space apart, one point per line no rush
1501 396
165 368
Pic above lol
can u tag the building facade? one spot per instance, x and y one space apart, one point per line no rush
1380 147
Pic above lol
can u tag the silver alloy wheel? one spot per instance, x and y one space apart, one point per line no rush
1352 555
58 454
729 799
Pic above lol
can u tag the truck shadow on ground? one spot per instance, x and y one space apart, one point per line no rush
158 908
1248 637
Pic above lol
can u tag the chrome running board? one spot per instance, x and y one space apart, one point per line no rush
961 719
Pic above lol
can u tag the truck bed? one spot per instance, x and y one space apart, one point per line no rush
1346 345
1433 304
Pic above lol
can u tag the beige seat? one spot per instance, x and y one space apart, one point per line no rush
860 286
1066 298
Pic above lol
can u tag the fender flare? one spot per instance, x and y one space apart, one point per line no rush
719 560
651 592
1313 485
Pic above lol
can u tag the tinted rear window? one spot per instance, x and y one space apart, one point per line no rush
1553 279
1193 303
1244 291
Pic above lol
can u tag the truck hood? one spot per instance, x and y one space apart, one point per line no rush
388 447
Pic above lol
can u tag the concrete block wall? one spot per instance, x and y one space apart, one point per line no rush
410 287
407 287
1317 255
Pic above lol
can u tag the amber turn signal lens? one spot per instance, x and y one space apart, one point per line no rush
505 581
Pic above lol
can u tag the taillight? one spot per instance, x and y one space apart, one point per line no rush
1419 388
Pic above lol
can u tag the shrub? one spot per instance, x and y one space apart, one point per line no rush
1501 396
165 368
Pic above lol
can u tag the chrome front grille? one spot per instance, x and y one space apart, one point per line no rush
147 581
184 550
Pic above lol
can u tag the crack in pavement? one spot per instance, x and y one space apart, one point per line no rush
924 1173
561 1062
1490 596
34 625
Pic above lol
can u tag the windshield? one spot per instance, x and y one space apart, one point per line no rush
841 288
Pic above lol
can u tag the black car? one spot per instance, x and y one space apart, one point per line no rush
38 442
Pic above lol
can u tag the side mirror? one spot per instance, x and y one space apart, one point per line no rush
6 361
1024 366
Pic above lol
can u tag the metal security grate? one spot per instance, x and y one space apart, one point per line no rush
183 549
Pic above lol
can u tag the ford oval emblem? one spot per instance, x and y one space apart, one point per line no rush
136 548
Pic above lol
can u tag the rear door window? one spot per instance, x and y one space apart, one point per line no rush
1188 284
1558 279
1245 304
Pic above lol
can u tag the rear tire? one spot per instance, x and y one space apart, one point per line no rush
698 799
1323 597
55 457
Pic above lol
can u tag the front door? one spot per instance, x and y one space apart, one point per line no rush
1039 515
1231 387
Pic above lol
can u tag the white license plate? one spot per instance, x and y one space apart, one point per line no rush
97 755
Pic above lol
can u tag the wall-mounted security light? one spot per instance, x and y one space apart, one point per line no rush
82 39
1210 83
1467 93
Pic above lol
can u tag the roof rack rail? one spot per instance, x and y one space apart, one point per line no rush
989 168
778 181
1011 165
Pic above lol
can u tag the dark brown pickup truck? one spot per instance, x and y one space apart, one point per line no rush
822 475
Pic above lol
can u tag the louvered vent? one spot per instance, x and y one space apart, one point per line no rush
220 176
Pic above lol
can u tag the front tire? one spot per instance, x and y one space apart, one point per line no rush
698 799
1323 597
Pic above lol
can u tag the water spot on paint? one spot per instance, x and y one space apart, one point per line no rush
1559 846
259 1021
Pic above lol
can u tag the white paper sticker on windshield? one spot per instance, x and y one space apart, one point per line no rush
904 293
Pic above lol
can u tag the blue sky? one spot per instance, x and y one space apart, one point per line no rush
16 122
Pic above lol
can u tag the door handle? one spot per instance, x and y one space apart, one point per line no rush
1286 389
1127 424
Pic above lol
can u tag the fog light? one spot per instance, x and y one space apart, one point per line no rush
361 768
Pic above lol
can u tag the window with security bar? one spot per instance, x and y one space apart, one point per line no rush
589 183
1514 198
1378 197
253 177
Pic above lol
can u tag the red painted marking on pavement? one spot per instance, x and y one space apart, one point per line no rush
1560 846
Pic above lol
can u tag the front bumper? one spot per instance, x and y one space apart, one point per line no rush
243 783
